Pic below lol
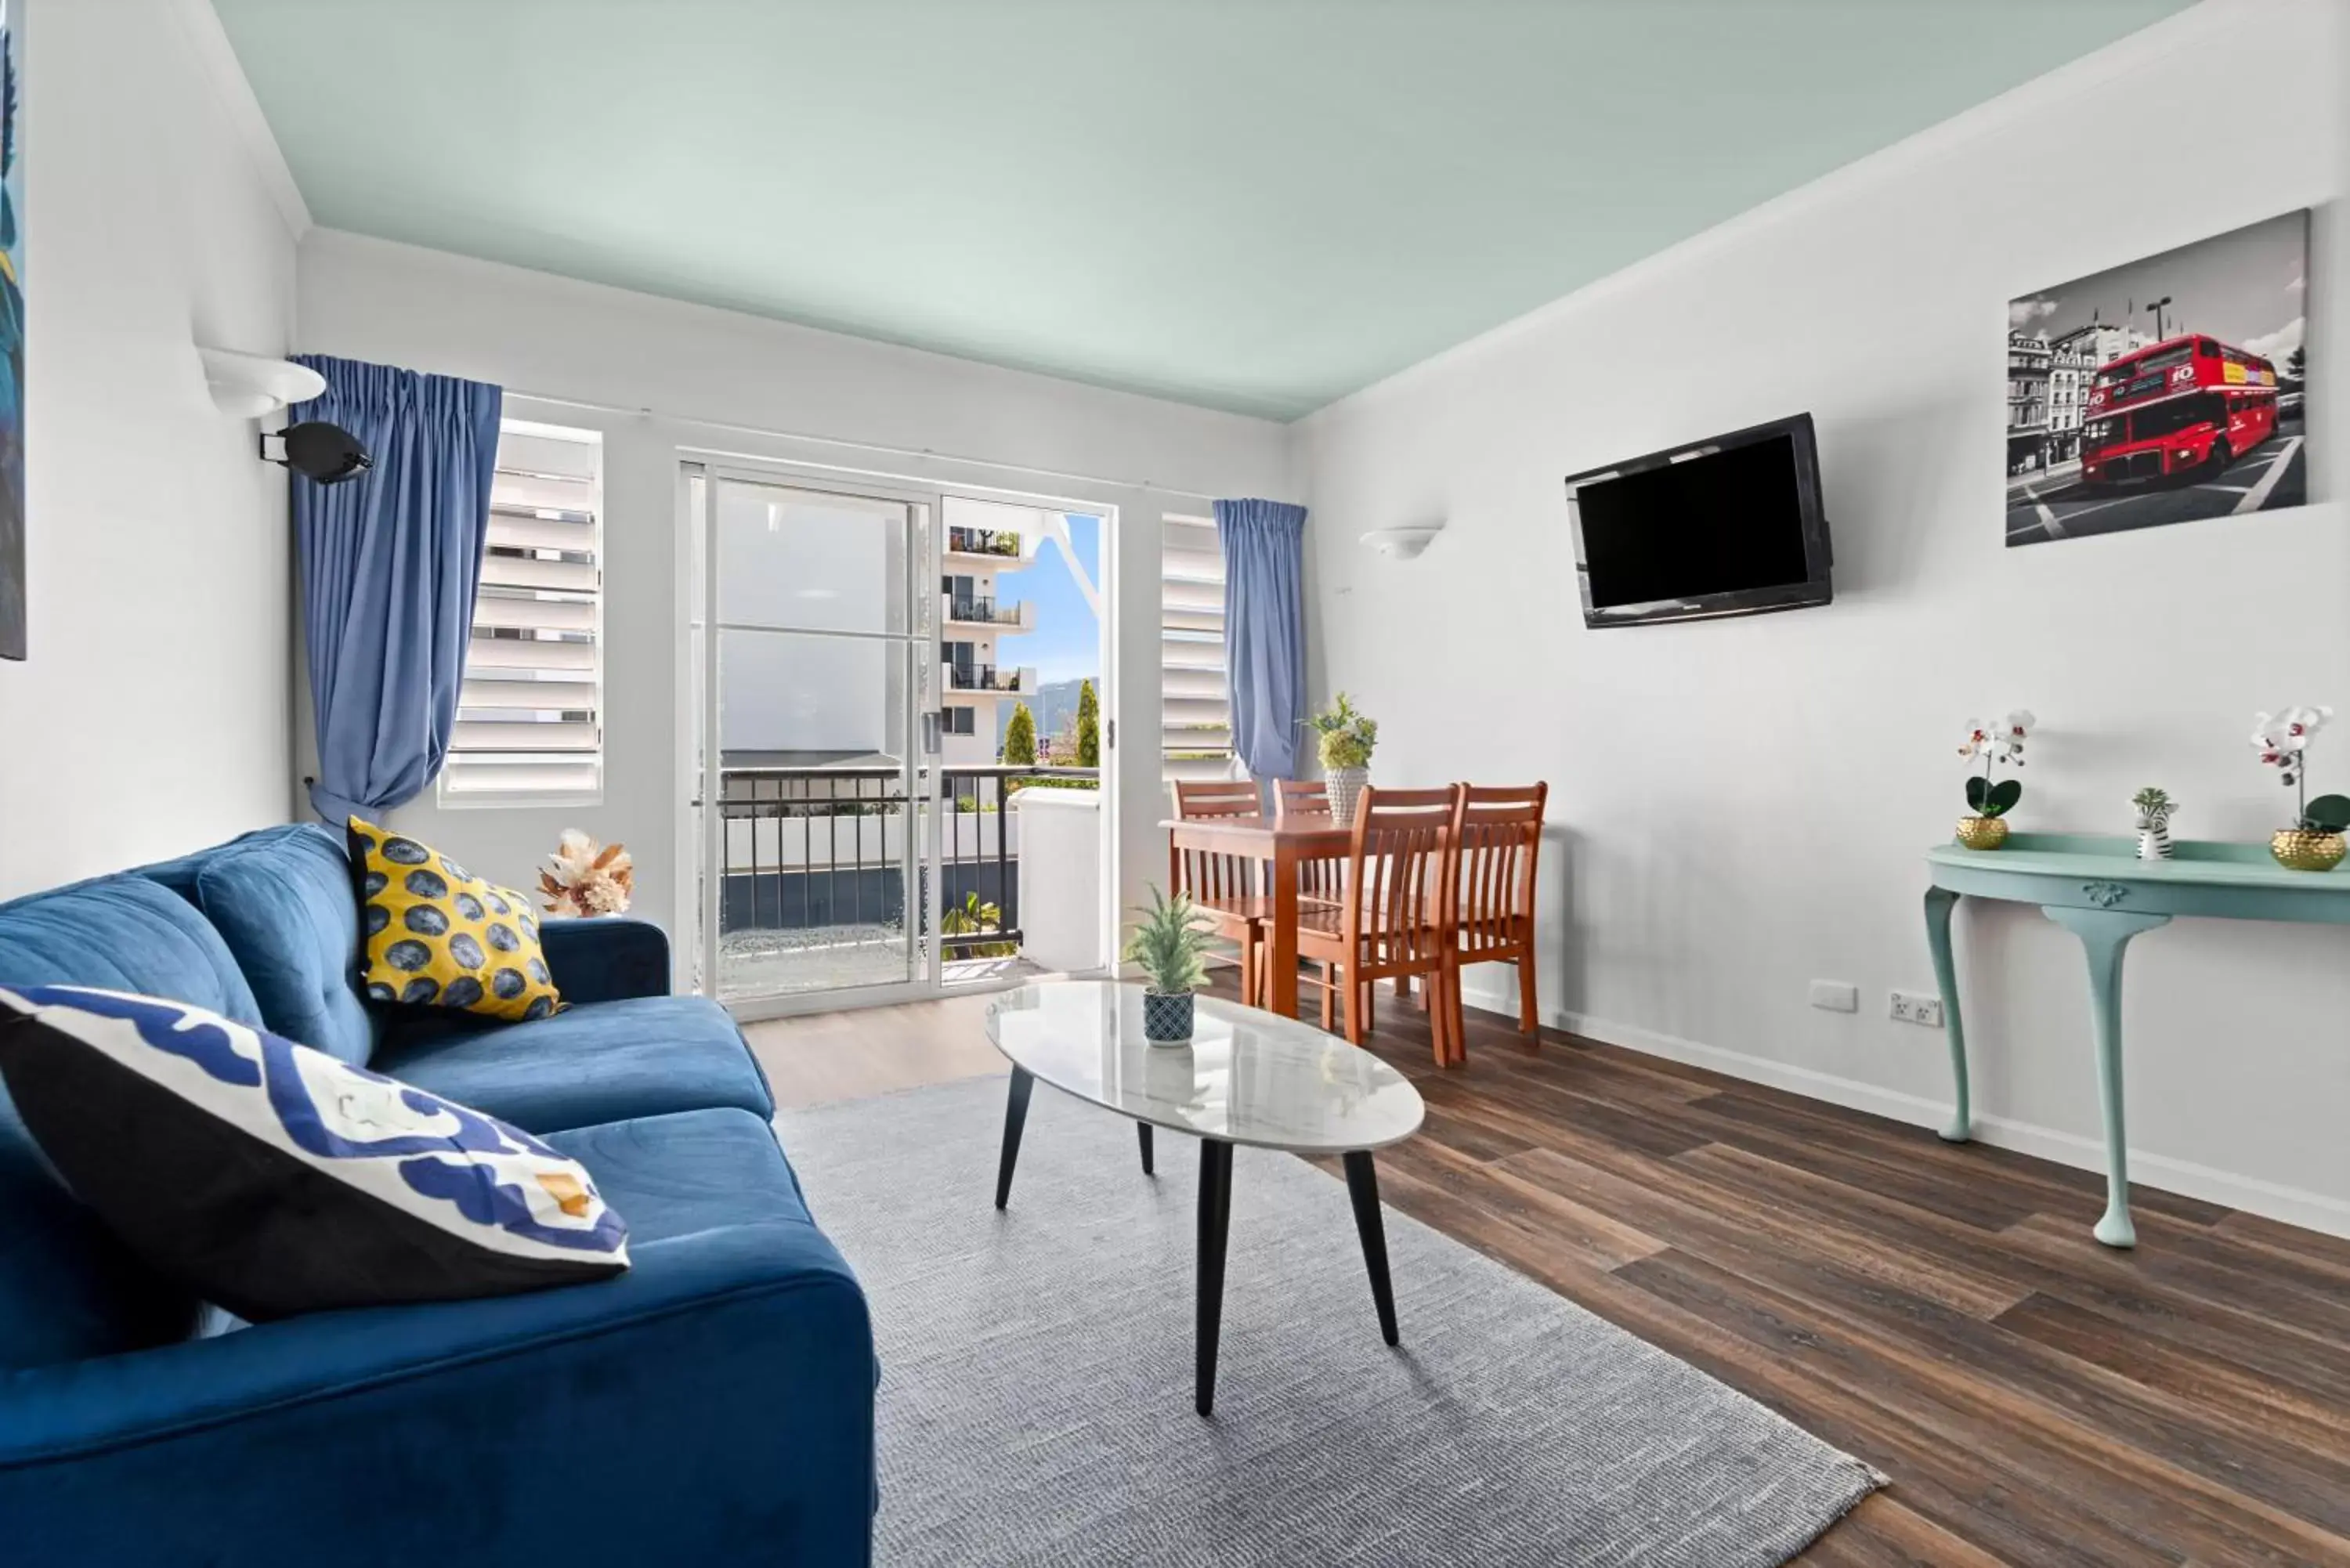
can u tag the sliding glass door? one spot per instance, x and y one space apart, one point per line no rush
816 642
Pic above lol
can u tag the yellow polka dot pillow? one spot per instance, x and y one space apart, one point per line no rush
439 937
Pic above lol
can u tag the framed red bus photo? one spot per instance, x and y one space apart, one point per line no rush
2167 390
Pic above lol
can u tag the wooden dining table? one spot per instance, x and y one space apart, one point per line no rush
1280 847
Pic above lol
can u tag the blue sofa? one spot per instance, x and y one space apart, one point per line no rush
713 1405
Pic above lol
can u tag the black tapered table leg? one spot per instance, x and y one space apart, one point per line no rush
1015 1116
1215 1221
1144 1129
1363 1187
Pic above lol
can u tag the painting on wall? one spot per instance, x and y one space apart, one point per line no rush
2167 390
12 335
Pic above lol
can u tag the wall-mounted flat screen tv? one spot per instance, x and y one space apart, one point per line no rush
1727 527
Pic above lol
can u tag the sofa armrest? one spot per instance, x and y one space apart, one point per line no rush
606 959
715 1404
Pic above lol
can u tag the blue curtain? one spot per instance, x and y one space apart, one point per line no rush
391 561
1264 630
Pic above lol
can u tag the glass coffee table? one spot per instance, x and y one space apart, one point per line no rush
1247 1077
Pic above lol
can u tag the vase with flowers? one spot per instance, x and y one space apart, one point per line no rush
583 878
1347 739
1989 797
2314 841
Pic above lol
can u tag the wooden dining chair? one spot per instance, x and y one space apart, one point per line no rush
1225 887
1395 921
1492 898
1318 882
1300 797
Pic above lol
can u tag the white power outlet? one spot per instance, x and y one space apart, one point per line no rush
1836 996
1917 1007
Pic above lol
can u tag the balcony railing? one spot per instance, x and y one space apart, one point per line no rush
982 609
822 851
981 678
983 542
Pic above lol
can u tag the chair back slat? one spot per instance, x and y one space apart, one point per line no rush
1401 863
1206 875
1500 839
1301 797
1319 880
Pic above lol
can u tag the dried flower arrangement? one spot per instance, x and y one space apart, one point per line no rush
583 877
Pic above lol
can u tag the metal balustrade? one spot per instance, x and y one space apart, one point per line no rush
818 853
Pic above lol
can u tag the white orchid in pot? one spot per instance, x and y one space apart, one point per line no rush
2313 842
1990 797
1347 739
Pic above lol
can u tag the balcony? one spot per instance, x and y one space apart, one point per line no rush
996 543
984 609
815 894
985 679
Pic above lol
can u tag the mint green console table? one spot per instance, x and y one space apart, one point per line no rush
2096 887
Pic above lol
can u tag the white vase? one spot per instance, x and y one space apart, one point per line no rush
2154 843
1345 786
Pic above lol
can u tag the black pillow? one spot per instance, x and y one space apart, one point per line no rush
274 1180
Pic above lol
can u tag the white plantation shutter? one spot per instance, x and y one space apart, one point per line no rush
1195 696
530 715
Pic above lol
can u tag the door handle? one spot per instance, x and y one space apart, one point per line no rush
930 732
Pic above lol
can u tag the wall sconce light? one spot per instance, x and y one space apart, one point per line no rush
319 451
247 386
1403 544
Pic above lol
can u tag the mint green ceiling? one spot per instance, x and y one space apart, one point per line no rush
1253 206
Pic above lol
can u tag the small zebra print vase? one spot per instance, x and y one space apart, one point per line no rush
2154 843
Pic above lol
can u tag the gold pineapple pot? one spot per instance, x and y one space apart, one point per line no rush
1982 832
2304 849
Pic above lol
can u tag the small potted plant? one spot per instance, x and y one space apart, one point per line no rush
2154 808
1346 740
1169 945
2313 842
1989 798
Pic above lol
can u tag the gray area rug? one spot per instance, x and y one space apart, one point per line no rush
1035 1404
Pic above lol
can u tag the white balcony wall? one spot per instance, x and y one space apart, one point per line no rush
1061 922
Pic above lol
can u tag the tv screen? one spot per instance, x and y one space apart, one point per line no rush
1727 527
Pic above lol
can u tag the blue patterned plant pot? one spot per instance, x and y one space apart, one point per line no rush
1167 1020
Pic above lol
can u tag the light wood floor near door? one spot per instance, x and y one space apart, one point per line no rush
1939 1311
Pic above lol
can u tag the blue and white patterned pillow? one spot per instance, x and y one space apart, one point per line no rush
274 1179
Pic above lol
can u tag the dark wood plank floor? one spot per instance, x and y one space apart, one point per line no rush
1939 1311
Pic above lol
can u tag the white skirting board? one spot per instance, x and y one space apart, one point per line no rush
2292 1205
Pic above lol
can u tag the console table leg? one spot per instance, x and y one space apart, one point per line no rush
2103 934
1940 901
1142 1131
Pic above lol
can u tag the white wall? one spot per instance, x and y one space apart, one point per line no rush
712 379
1743 805
152 715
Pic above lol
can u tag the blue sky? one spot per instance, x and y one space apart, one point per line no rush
1067 643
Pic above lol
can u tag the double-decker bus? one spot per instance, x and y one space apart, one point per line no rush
2183 406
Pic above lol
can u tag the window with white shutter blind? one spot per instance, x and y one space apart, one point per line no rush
1195 695
530 714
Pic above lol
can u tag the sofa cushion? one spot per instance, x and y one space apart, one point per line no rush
122 933
278 1180
69 1288
607 1063
438 936
282 900
688 1172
